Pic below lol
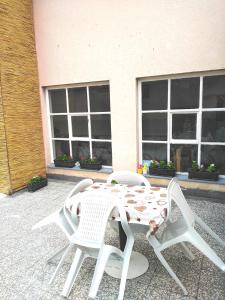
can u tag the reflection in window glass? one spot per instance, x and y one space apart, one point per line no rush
154 151
214 91
80 150
60 127
154 126
99 98
103 152
212 154
213 126
185 93
154 95
183 155
78 99
184 126
100 127
57 101
60 148
80 126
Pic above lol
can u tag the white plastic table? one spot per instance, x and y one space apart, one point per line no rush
144 205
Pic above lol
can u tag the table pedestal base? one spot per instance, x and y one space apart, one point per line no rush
138 266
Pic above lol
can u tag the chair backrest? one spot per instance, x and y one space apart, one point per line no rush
128 177
79 187
95 208
175 194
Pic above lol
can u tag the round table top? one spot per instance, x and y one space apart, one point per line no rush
144 205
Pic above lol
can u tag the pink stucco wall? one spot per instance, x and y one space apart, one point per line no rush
122 40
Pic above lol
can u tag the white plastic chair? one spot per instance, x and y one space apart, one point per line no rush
95 209
63 218
128 177
181 231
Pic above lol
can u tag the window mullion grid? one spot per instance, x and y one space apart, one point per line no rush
199 124
69 123
168 121
89 122
50 125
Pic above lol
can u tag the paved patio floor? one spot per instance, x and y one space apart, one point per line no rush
24 273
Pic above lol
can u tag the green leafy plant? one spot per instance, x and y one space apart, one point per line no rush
114 181
194 166
90 161
154 164
36 179
171 166
162 164
212 168
63 157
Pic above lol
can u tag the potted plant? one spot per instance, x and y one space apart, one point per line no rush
91 164
36 183
64 161
206 173
162 168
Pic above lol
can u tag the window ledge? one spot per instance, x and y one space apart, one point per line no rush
106 170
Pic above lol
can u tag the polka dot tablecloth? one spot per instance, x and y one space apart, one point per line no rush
143 205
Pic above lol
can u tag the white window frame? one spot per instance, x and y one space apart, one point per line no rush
170 112
69 115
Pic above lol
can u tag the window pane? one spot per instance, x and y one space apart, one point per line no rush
57 101
214 155
78 99
100 127
154 151
103 152
214 91
183 155
184 126
154 126
213 126
80 150
185 93
61 147
99 98
60 127
154 95
80 126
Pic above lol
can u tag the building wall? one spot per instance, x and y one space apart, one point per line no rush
121 41
20 101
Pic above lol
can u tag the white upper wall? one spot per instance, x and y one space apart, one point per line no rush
122 40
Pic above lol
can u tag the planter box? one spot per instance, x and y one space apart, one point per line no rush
36 186
91 166
204 175
162 172
64 164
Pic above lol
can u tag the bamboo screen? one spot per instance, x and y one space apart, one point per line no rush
20 117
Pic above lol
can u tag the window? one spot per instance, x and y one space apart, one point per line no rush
183 119
80 122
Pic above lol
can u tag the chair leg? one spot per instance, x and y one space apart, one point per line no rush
99 270
202 246
187 251
47 220
170 271
60 263
124 275
73 272
209 231
57 253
